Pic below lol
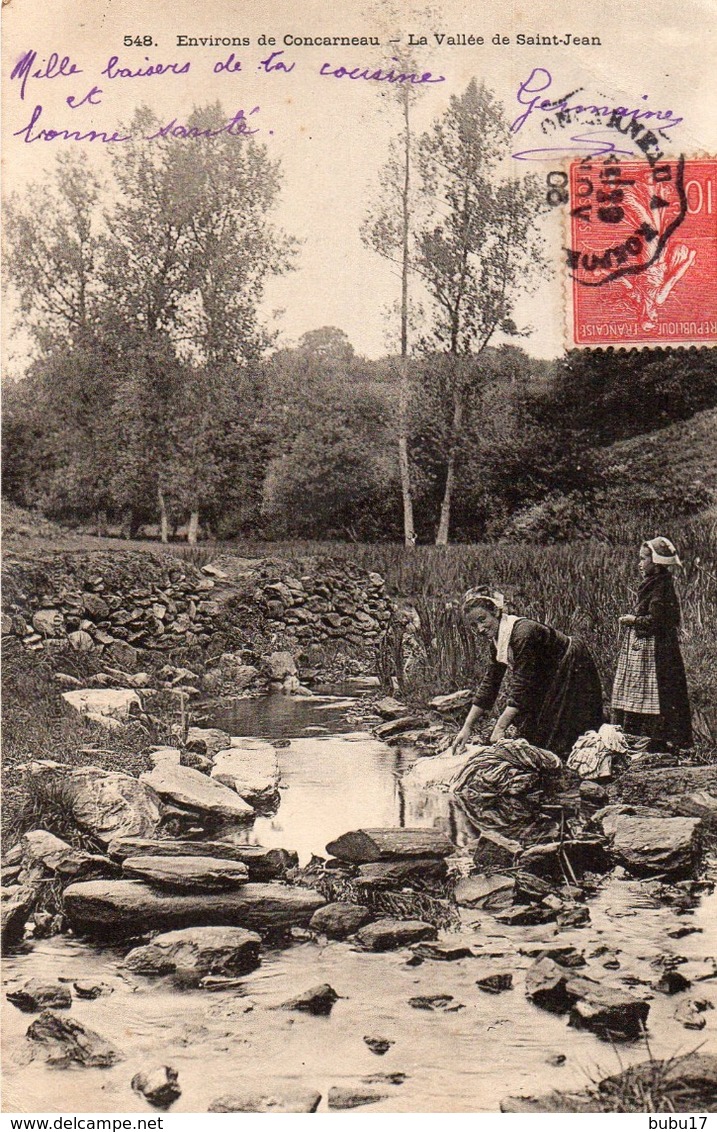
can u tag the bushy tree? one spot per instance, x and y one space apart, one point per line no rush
159 311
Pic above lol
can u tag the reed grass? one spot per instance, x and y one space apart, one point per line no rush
579 587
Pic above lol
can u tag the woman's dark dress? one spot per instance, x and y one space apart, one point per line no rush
657 614
555 686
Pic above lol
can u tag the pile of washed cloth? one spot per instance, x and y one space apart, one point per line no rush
508 768
597 754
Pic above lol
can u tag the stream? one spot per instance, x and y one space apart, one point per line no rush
333 780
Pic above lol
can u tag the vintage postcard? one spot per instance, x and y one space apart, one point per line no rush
359 569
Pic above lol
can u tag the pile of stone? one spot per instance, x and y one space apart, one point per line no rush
376 862
129 607
141 884
330 600
548 882
115 604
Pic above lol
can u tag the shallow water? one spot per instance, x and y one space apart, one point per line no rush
454 1061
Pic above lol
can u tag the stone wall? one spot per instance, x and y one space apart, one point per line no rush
126 605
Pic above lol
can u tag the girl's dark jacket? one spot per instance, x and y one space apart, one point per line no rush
657 614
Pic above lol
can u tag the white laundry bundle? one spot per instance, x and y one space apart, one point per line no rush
592 754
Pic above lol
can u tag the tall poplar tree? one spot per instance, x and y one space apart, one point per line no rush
481 248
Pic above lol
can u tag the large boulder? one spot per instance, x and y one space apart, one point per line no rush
552 987
263 864
64 1041
364 845
195 873
386 934
610 1012
652 787
657 845
131 907
251 768
555 859
199 950
16 903
195 791
103 803
106 706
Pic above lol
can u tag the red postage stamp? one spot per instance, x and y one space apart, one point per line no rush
643 252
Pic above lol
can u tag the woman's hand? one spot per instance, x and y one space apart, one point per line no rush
464 734
460 740
627 619
498 733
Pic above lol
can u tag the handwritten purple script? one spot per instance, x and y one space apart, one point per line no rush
236 127
57 66
562 112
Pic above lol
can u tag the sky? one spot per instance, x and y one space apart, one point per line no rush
332 133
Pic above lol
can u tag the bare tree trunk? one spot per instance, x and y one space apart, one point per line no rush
445 519
409 534
163 519
193 528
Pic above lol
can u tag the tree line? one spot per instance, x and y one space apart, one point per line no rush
157 396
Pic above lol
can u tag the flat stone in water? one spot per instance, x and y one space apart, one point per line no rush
85 988
496 982
194 873
377 1044
317 1000
344 1097
276 1098
64 1041
36 995
131 907
384 935
263 864
440 949
340 919
435 1002
195 791
159 1086
362 846
610 1013
200 950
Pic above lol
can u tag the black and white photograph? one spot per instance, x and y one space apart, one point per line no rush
359 560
